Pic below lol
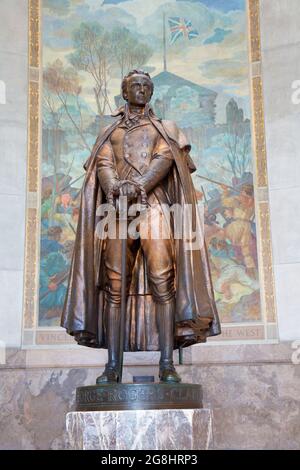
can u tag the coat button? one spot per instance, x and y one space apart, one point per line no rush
144 154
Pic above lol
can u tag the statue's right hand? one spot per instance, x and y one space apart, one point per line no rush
116 188
113 192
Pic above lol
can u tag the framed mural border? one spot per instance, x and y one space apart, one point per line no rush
35 336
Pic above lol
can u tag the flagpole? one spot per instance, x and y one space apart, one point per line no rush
165 42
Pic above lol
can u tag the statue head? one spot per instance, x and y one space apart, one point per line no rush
137 88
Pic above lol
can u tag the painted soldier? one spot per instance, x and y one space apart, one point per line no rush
170 302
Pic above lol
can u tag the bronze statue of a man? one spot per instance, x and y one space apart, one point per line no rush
170 300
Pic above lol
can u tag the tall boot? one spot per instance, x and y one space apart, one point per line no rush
111 372
166 329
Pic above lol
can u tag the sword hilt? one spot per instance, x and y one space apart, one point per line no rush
141 192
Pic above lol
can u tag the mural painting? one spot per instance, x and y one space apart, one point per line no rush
197 54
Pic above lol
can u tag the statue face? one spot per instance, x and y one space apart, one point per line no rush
139 90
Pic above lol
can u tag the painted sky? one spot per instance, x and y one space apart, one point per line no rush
222 5
217 58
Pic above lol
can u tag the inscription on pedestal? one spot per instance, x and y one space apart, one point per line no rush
138 396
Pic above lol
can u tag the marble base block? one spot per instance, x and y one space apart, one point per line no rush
140 430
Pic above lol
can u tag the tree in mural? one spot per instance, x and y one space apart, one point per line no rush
62 84
61 97
52 109
128 52
92 54
238 146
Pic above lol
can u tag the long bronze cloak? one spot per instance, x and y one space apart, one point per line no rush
84 310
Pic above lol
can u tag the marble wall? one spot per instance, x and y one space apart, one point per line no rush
280 35
13 148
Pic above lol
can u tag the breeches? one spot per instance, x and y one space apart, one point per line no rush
158 253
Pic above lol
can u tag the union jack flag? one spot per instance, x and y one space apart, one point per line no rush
181 28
